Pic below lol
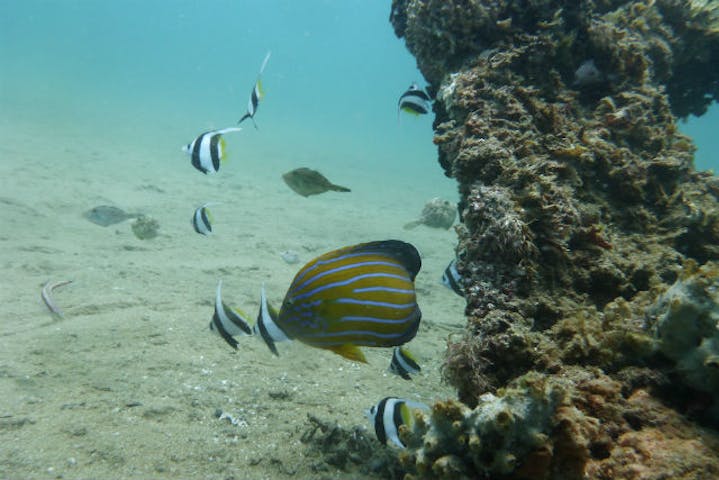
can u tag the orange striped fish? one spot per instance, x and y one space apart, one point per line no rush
361 295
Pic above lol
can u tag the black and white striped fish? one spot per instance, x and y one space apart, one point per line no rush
228 322
362 295
403 363
208 150
387 416
452 279
202 220
256 95
415 101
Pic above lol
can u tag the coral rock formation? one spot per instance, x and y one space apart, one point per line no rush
579 203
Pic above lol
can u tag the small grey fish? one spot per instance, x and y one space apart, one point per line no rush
306 182
106 215
587 75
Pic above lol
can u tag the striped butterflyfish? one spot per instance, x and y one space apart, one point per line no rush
256 94
208 150
362 295
389 414
403 363
415 101
228 322
452 279
202 220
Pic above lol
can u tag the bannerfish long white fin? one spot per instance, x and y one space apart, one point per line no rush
264 63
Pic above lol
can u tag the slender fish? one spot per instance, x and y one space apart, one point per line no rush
47 296
256 94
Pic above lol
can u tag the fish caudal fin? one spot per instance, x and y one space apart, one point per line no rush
350 352
339 188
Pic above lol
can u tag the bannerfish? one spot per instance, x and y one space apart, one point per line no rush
415 101
208 150
403 363
361 295
452 279
228 322
306 182
106 215
202 220
389 414
256 95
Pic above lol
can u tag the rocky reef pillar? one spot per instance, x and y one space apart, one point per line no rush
580 206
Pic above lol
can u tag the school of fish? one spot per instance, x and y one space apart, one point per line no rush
355 296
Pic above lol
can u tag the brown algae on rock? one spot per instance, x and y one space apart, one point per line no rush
579 207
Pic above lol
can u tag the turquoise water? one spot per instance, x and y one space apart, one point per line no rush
162 72
704 132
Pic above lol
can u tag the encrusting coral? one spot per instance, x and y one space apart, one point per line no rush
580 206
685 320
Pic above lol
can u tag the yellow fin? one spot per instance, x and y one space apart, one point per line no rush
260 90
406 414
405 351
350 352
222 146
242 315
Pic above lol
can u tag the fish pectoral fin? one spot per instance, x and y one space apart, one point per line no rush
350 352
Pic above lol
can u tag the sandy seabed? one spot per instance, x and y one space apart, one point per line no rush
128 383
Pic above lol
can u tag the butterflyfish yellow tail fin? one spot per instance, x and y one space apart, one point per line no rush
350 352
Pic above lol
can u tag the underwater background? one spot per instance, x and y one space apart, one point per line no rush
164 69
96 101
161 72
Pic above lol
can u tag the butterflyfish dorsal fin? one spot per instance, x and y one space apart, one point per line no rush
403 252
350 352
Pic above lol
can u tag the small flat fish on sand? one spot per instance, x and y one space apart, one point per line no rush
306 182
106 215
